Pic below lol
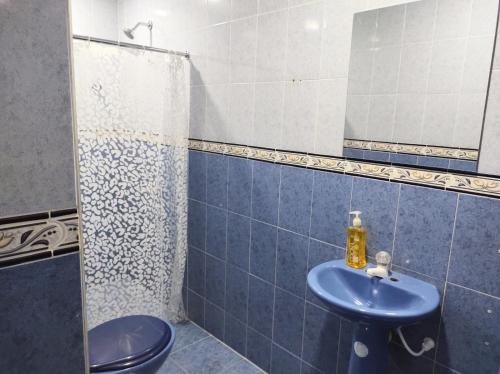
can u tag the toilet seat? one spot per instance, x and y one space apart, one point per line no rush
126 342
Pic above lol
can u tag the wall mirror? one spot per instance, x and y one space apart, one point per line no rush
418 84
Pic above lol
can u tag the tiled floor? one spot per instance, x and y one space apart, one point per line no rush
197 352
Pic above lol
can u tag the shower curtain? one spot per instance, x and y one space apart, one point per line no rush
131 108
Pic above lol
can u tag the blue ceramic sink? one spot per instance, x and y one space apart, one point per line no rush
375 305
399 300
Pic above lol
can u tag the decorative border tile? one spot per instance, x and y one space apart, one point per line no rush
23 238
449 181
413 149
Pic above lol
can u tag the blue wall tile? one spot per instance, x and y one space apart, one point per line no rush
41 317
238 240
196 308
377 156
196 275
308 369
197 221
288 321
291 262
295 199
259 349
354 153
463 165
260 306
401 362
265 192
378 201
236 292
434 162
235 334
283 362
474 257
214 320
330 207
215 280
321 337
197 175
469 338
424 230
217 180
240 185
404 159
263 250
216 231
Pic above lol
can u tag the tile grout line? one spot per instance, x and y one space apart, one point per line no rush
227 346
438 336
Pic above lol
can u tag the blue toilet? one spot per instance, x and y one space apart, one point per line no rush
130 345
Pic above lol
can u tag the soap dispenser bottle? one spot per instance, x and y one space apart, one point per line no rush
356 243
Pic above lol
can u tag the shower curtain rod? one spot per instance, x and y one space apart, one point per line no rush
130 45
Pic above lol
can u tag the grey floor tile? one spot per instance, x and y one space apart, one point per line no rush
205 357
243 367
170 367
187 333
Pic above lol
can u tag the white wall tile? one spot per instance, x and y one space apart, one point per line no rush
271 46
453 18
389 28
381 117
331 117
477 64
269 107
301 104
218 11
420 17
80 17
364 30
467 132
439 120
216 112
409 118
217 52
484 15
386 62
360 71
415 65
304 41
490 151
336 39
270 5
243 50
243 8
447 65
357 116
197 107
241 113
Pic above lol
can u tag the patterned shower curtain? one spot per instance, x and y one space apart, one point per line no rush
132 131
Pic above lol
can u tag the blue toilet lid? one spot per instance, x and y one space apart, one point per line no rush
125 342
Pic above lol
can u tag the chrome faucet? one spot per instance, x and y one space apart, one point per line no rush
383 261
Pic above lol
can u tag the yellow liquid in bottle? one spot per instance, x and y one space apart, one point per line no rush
356 247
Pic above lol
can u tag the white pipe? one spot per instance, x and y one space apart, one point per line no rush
427 344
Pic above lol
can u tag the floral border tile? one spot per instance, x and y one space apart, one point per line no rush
413 149
21 238
463 183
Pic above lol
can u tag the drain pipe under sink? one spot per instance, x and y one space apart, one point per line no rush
427 344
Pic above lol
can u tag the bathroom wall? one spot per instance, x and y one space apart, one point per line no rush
256 228
41 324
96 18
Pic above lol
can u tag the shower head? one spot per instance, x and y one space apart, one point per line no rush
129 32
